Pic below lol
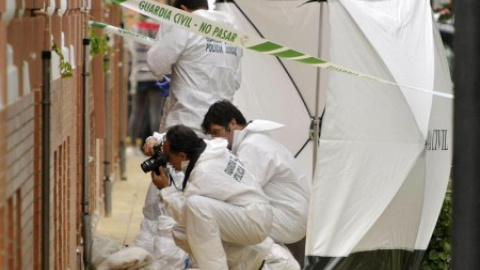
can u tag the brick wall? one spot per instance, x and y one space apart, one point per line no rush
21 125
19 191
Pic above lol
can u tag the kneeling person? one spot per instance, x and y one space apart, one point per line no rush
218 203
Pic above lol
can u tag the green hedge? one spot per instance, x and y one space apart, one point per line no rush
438 256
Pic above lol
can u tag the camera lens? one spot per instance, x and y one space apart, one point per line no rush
145 168
148 165
151 164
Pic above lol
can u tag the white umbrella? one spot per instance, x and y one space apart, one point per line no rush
385 151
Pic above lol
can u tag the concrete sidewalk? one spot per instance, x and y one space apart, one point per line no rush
128 197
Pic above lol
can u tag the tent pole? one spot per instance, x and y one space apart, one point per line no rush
298 248
466 172
316 121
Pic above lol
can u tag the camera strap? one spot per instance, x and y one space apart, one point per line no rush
193 159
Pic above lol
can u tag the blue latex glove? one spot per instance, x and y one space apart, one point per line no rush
164 85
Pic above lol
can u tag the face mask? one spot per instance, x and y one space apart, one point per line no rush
184 165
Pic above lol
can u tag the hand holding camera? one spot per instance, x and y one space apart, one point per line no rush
156 164
160 180
157 160
148 147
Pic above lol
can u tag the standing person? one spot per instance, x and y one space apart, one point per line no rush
218 205
276 170
203 70
148 98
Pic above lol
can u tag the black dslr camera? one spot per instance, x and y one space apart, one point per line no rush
152 164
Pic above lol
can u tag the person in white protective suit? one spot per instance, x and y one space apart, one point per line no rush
277 172
203 70
226 219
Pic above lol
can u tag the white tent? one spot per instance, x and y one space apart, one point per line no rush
385 151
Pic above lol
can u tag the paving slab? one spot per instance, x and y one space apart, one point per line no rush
128 197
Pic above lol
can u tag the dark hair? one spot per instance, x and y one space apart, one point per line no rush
183 139
191 4
221 113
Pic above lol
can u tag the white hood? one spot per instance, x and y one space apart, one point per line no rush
255 126
215 147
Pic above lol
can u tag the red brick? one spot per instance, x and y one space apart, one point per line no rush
34 4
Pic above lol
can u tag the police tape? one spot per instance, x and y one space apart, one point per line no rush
217 31
146 40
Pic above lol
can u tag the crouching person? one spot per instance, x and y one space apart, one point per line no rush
278 174
225 218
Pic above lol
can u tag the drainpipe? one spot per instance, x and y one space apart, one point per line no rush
106 163
45 177
86 217
123 121
46 58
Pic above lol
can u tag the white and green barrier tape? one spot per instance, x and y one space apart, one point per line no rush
217 31
124 33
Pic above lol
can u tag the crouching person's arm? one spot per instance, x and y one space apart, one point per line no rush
174 202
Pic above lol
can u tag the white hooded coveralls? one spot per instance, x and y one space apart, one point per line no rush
203 71
278 174
221 210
